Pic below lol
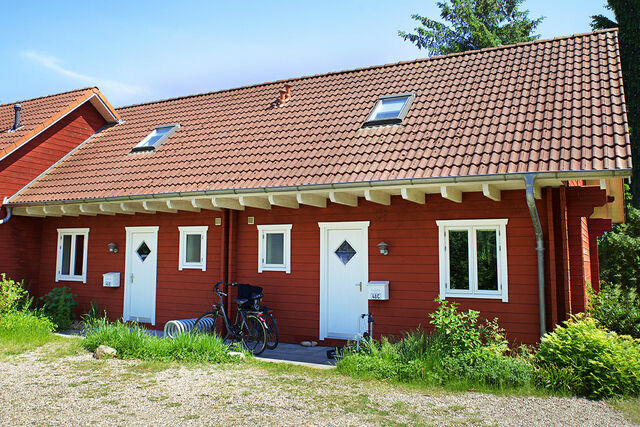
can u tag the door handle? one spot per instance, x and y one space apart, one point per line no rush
131 277
360 285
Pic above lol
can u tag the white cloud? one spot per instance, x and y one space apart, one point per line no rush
55 64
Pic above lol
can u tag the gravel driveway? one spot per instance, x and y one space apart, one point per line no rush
38 388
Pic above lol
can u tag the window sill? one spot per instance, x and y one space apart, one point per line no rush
504 298
279 268
192 267
71 279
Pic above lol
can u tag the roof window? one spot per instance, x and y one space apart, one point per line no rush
390 109
155 138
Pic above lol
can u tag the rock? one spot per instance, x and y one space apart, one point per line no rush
237 354
306 343
105 352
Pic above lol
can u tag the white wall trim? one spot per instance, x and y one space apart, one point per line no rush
182 253
73 232
363 226
263 230
127 269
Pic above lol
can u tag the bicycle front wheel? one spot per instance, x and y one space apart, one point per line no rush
253 334
206 323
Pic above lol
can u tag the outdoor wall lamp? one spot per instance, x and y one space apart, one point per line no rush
384 248
113 247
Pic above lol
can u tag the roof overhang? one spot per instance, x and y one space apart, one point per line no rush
414 190
97 100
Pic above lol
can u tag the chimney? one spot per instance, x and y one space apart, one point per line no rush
16 119
285 94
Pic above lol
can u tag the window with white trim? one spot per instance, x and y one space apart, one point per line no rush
193 247
71 259
473 258
155 138
274 248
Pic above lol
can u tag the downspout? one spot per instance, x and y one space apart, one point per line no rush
8 217
535 218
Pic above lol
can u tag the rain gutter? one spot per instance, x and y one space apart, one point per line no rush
529 180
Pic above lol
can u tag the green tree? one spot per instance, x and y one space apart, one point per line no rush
627 14
473 24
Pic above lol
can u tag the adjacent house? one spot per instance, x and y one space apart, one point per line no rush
483 178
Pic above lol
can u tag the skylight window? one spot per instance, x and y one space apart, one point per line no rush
155 138
390 109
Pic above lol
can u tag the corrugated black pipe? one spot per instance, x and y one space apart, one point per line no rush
16 116
529 180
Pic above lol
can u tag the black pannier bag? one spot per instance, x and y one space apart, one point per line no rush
249 296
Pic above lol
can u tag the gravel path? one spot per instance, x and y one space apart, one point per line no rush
38 388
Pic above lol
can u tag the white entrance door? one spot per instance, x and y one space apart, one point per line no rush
344 272
140 274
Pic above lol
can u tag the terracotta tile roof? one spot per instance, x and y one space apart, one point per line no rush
37 114
554 105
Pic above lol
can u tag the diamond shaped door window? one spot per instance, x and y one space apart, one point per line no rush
345 252
143 251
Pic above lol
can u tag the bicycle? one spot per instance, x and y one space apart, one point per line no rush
250 298
249 327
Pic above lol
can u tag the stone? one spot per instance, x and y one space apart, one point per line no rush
237 354
105 352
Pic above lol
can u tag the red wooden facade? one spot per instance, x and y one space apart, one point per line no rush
411 266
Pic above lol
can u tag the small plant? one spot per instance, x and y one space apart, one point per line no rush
58 305
13 295
617 308
589 361
22 330
92 315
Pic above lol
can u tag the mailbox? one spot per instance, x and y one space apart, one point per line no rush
378 290
111 280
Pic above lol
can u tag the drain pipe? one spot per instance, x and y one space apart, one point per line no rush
531 203
8 217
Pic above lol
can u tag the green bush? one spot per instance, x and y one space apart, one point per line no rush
58 305
617 309
463 350
619 252
13 295
601 363
23 330
133 341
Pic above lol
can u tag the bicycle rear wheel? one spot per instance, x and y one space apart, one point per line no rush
272 330
253 334
206 323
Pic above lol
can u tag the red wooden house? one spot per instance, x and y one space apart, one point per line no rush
482 177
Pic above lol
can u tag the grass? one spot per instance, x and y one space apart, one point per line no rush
22 331
630 407
133 342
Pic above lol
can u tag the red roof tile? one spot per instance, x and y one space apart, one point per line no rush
553 105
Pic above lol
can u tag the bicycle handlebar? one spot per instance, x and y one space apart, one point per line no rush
221 282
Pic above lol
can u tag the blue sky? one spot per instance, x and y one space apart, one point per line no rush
139 51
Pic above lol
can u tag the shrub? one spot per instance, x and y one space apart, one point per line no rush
463 349
602 363
13 295
58 305
23 330
133 341
617 309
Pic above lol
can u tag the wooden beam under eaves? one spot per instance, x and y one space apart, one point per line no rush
182 205
255 202
157 206
342 198
35 211
312 200
491 191
413 195
93 210
53 210
377 196
114 208
70 210
451 193
134 207
284 201
204 204
227 203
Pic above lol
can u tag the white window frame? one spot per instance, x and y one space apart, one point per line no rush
73 232
141 146
182 253
471 225
263 230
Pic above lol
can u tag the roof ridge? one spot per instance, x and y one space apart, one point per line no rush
371 67
51 95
